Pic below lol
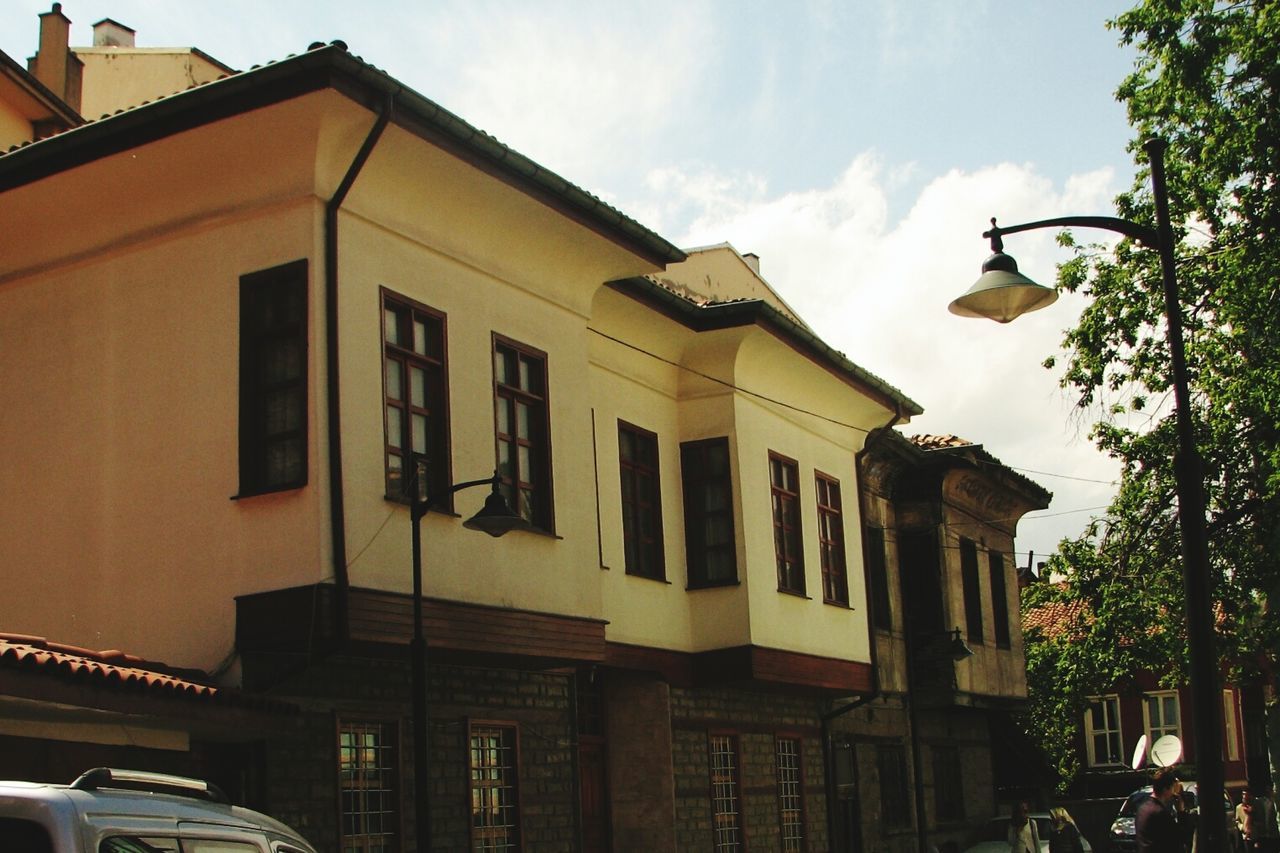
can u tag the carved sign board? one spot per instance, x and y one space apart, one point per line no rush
982 498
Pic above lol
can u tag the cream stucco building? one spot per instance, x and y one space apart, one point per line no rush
237 317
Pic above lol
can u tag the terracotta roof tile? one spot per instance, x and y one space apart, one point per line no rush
115 669
937 442
1052 619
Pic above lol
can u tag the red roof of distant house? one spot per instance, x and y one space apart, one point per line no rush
1053 618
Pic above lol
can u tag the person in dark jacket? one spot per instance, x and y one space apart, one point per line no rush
1156 824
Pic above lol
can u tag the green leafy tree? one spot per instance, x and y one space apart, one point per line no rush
1208 80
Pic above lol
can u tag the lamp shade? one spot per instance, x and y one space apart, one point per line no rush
496 516
1002 293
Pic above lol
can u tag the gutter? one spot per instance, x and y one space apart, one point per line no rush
337 508
829 777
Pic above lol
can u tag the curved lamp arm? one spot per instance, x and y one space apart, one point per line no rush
1144 235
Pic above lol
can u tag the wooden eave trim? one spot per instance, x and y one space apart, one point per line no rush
756 312
746 666
322 68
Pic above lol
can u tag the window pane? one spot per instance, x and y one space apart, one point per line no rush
419 434
395 380
395 427
391 326
419 337
418 387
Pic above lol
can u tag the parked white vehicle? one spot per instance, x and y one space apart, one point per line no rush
126 811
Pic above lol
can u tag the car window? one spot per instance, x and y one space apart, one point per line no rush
24 836
1042 827
137 844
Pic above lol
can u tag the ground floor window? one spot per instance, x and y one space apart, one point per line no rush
368 763
495 773
726 811
895 799
948 784
790 793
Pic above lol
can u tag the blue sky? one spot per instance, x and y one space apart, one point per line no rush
859 148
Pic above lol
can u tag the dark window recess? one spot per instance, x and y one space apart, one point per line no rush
368 761
895 799
784 486
273 379
710 550
416 415
972 589
999 600
523 430
641 504
878 575
835 578
948 784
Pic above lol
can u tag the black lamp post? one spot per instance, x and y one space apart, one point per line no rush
1002 294
497 519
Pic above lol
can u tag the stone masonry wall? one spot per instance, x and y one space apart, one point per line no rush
302 767
755 719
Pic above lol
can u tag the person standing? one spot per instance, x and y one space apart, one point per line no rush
1245 822
1156 825
1264 821
1023 835
1064 835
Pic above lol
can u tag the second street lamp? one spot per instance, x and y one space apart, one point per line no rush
497 519
1002 294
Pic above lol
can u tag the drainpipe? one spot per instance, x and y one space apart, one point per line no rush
337 510
829 776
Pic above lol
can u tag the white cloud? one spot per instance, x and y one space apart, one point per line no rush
878 290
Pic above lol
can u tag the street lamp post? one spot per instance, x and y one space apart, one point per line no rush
1001 294
497 519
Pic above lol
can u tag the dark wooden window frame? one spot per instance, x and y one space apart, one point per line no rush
788 543
540 511
641 486
895 794
694 481
433 408
274 322
972 589
341 723
503 726
739 824
878 577
948 784
791 844
999 600
831 550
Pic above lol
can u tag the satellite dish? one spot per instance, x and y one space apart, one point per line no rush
1167 750
1139 754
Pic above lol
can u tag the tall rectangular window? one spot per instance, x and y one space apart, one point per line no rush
415 374
1102 731
273 379
1161 712
784 485
948 784
790 793
835 577
641 503
895 799
999 600
878 574
710 549
495 804
368 786
523 430
1231 726
726 809
972 589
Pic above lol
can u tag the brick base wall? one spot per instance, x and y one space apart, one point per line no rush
302 766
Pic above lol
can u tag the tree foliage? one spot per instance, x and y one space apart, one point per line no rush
1207 80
